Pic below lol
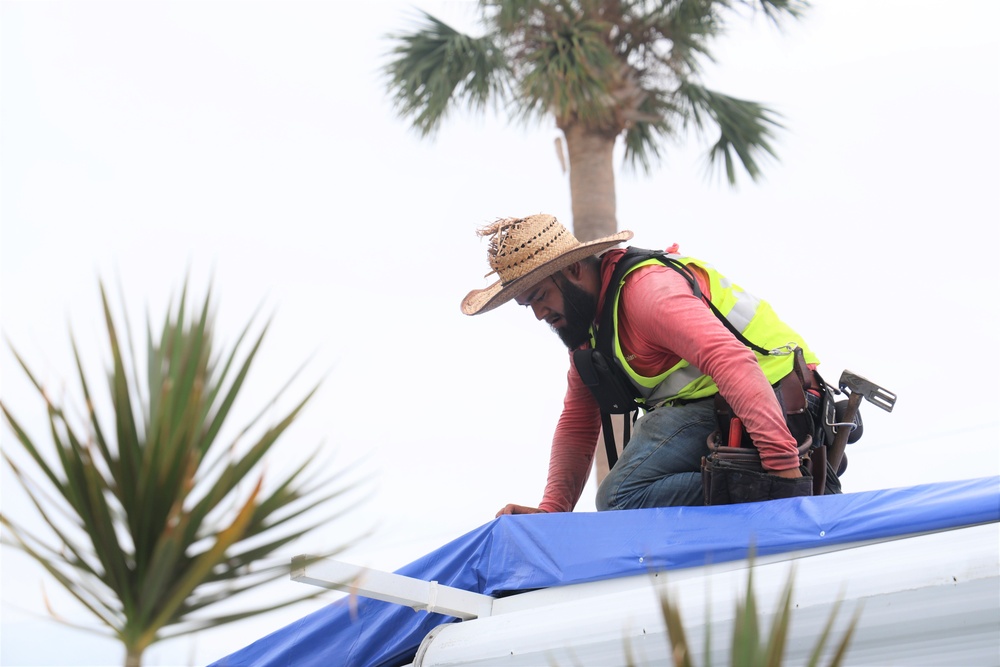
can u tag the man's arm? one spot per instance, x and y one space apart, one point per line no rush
572 451
573 446
664 316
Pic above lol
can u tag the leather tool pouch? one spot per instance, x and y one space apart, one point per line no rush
732 472
735 475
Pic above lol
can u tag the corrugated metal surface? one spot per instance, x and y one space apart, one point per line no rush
926 600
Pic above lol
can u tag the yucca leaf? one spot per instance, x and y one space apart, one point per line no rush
233 473
126 427
745 649
746 634
75 485
775 649
83 594
29 446
150 518
222 410
680 653
95 424
167 559
101 526
136 380
707 647
257 451
200 567
63 538
247 582
841 652
817 651
213 621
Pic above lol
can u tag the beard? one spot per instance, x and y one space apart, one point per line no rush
579 311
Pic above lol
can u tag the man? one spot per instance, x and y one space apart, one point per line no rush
678 354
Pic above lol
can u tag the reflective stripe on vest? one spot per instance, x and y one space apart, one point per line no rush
751 316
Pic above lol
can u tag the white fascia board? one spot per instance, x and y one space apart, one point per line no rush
389 587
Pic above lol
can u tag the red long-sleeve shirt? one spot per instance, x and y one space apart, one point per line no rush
660 322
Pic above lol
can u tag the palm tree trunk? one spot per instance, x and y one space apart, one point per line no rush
591 182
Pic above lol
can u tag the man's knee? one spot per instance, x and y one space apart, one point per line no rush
603 500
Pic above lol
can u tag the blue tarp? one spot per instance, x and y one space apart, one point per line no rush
526 552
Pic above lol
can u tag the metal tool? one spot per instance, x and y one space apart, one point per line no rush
857 388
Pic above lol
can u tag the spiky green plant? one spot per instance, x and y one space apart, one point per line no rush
154 512
748 645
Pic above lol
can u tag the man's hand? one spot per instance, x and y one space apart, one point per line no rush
519 509
791 473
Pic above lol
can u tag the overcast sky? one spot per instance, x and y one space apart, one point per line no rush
252 145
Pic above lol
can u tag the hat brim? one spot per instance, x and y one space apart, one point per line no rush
483 300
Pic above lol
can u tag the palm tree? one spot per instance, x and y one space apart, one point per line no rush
603 69
160 512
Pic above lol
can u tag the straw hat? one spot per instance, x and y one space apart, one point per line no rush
525 251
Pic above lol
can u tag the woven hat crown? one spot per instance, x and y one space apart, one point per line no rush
524 251
520 245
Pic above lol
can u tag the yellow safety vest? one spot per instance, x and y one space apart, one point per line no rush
751 316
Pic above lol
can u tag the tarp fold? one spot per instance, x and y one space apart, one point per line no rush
527 552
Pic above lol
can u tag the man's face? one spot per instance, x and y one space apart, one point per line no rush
567 308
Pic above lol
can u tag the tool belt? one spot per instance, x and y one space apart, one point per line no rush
733 473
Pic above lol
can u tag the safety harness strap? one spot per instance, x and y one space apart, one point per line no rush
595 365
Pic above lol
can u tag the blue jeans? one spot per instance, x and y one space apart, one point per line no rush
661 465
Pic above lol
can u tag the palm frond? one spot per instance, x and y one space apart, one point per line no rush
778 10
435 68
745 128
569 70
653 122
